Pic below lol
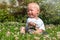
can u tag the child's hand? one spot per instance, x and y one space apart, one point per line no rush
38 31
22 30
31 24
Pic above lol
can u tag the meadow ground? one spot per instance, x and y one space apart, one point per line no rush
11 31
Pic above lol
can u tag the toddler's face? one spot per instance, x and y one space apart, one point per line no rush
32 11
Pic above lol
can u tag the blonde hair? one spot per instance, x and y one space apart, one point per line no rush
35 5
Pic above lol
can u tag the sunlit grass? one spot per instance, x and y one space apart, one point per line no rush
11 31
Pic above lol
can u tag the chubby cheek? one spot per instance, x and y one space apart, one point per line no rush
28 14
35 13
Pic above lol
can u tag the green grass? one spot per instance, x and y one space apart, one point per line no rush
11 31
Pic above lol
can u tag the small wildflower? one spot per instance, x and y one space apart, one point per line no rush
15 28
8 33
36 38
58 34
46 35
12 33
53 31
50 33
29 35
0 30
3 28
15 35
49 27
16 38
54 38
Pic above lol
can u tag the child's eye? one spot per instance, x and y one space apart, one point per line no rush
29 10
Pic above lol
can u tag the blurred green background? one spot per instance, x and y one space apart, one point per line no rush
16 11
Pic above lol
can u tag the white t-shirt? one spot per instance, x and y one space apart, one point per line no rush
38 22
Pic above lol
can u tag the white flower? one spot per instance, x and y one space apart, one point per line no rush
46 35
15 28
12 33
53 31
54 38
15 35
36 38
0 30
3 28
58 34
8 33
16 38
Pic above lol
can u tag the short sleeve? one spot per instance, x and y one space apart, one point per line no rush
40 24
